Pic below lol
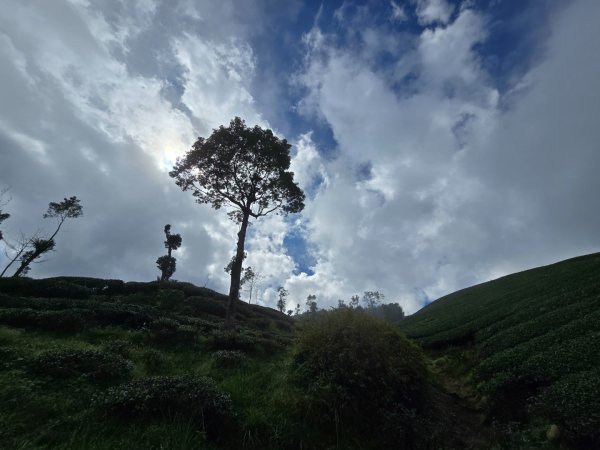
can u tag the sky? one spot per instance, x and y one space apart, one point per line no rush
440 143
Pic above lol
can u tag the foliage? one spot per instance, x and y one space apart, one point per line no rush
197 399
574 403
282 294
167 263
246 170
231 340
228 359
155 360
359 372
97 365
68 208
68 321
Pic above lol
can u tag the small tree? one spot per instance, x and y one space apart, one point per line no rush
372 299
354 301
246 170
251 278
311 303
69 208
167 263
282 293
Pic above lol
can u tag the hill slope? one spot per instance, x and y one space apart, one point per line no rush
532 341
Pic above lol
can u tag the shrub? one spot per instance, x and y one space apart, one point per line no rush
361 373
155 360
48 288
574 403
66 363
195 399
122 316
228 359
119 347
230 340
66 321
164 330
170 299
204 305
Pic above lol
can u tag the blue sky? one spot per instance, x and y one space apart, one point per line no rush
441 143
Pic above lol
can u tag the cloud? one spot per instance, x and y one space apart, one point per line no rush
461 187
434 11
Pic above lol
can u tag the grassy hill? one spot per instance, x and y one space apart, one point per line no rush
104 364
530 345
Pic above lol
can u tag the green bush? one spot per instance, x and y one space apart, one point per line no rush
48 288
155 360
204 305
361 373
170 299
231 340
164 330
66 321
229 359
119 347
97 365
574 403
190 398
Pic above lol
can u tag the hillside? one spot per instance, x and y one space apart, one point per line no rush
529 345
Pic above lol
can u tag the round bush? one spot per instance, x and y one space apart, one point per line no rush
65 363
155 360
195 399
230 340
228 359
360 372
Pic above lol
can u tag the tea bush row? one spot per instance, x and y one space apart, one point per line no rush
97 365
155 398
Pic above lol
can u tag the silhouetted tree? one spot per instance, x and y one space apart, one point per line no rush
167 263
282 294
354 301
372 299
69 208
311 304
250 278
245 169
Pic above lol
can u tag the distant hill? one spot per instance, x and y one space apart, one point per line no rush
533 340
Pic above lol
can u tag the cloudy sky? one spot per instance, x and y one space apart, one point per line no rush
440 143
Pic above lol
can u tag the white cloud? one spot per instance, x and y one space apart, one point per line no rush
433 11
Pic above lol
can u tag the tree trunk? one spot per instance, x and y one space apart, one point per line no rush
236 273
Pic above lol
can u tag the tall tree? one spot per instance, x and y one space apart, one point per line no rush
167 263
282 293
246 170
69 208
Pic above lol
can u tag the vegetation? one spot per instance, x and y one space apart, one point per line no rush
534 341
167 263
28 250
99 364
246 170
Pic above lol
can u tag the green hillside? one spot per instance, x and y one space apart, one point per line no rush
529 343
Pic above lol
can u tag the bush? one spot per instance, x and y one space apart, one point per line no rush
66 321
97 365
155 360
119 347
48 288
229 359
360 373
195 399
230 340
164 330
574 403
204 305
170 299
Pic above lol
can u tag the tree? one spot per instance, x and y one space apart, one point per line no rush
69 208
251 278
372 299
354 301
245 170
282 293
311 304
167 263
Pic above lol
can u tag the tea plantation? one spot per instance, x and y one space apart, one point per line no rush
530 343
